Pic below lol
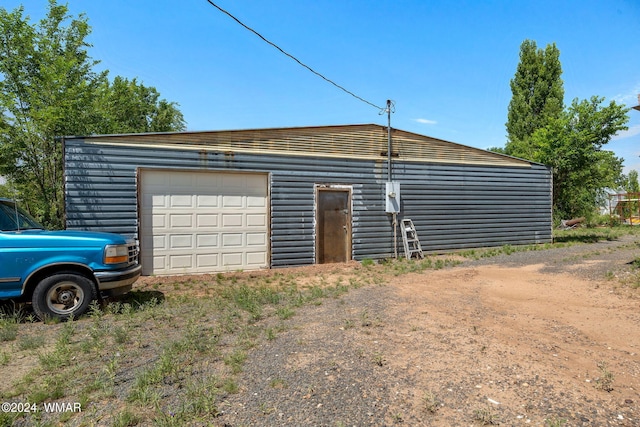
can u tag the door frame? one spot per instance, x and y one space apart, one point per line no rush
348 239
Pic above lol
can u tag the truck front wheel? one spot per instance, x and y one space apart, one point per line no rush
63 295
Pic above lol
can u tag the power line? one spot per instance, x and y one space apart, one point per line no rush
383 109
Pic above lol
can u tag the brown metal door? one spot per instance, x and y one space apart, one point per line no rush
333 226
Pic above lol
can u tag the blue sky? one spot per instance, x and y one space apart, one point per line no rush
445 64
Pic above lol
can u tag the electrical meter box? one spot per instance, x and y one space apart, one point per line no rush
392 196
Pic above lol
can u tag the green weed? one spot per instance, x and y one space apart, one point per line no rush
270 334
379 359
555 422
486 416
430 402
31 342
605 380
125 418
235 360
285 313
8 329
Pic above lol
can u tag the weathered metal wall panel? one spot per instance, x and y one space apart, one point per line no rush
465 207
453 206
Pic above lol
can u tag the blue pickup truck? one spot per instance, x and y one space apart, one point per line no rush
61 272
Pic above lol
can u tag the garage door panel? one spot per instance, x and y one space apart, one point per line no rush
157 242
207 260
194 222
177 262
232 201
256 202
256 239
256 220
205 241
208 201
159 221
232 260
230 240
232 220
181 241
207 220
181 201
181 220
256 258
160 262
154 200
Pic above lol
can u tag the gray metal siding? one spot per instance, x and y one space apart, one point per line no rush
452 206
465 207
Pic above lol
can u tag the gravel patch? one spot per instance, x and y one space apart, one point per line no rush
438 349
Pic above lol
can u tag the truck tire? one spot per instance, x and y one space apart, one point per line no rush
63 295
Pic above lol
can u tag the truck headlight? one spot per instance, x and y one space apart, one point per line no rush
116 254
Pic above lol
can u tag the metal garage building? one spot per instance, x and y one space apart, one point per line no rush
248 199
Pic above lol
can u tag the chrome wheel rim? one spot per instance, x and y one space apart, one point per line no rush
65 297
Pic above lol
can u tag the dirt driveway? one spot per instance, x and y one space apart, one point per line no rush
545 338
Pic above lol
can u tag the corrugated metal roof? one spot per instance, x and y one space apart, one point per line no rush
368 141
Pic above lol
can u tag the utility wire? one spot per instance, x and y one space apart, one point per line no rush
383 109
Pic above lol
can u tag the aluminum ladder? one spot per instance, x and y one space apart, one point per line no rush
410 240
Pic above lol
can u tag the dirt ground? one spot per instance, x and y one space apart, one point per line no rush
523 343
545 339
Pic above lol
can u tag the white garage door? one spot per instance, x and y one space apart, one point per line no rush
202 222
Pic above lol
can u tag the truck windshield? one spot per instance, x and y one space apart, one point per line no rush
12 219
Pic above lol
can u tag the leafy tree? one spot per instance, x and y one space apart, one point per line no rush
537 96
568 139
47 83
572 146
5 191
499 150
48 89
631 184
129 107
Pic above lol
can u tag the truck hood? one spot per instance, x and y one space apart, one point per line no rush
68 237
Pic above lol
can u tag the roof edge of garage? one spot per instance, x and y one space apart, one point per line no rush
363 141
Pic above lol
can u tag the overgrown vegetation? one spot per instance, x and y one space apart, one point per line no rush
167 358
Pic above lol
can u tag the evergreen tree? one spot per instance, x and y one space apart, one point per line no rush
537 97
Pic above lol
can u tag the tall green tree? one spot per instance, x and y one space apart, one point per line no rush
572 145
568 139
47 83
49 89
537 96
